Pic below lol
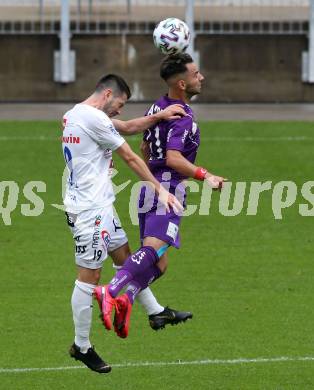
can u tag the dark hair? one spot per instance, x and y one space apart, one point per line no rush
174 64
115 82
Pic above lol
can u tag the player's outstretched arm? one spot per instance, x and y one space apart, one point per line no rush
140 168
176 161
138 125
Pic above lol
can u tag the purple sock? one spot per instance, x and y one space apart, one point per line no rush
132 290
135 264
148 276
141 281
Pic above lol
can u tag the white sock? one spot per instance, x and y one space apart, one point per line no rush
147 299
82 307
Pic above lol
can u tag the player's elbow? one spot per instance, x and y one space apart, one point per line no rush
171 161
133 161
128 130
127 154
130 159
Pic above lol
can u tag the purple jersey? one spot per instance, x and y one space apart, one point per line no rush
180 134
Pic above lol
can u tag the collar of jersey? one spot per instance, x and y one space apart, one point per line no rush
175 101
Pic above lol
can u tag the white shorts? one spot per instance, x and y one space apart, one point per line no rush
96 233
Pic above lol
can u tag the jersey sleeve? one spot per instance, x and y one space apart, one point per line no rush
178 131
104 133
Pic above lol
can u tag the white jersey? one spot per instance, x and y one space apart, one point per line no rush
88 140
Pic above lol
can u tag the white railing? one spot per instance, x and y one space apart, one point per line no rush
13 3
140 16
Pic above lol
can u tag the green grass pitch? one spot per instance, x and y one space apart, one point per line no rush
247 279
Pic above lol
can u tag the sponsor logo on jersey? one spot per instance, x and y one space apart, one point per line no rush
138 257
108 153
80 248
105 237
113 129
116 282
97 220
96 234
154 108
70 139
95 239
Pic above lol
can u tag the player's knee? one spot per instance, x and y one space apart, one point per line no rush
97 276
120 255
163 268
91 276
162 265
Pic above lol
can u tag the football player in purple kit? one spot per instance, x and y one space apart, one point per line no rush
170 149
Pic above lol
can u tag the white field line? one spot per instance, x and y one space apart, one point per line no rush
212 139
257 139
166 364
31 138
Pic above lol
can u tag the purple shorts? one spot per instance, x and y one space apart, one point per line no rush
155 221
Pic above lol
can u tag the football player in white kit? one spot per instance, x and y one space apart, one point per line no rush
88 140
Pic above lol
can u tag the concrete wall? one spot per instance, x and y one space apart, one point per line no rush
237 68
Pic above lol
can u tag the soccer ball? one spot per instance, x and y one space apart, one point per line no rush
171 36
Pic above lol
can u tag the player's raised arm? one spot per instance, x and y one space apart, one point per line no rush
140 168
138 125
